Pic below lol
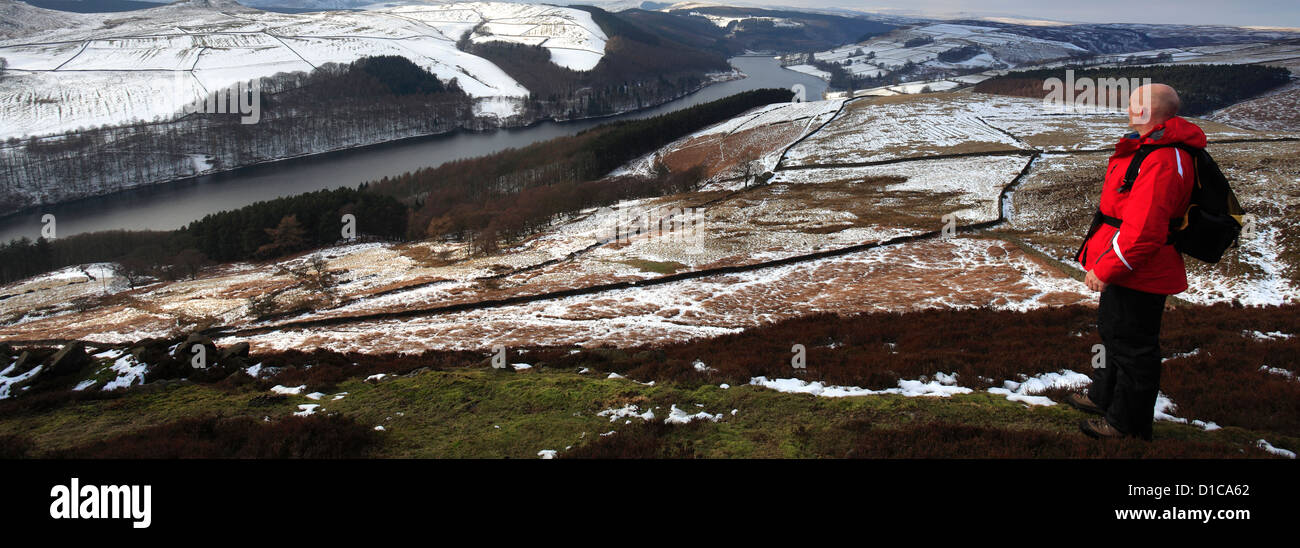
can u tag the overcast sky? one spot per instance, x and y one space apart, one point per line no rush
1284 13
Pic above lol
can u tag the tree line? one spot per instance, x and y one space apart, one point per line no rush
290 224
1202 88
263 230
487 200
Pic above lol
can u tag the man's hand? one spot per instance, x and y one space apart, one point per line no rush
1093 282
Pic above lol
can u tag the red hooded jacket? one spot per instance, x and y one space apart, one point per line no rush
1136 255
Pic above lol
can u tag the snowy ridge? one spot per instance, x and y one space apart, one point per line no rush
883 55
86 70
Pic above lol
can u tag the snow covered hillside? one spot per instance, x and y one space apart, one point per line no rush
801 206
949 55
68 70
990 48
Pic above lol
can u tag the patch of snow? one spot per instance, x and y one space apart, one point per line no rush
1022 391
677 416
1179 355
1270 336
129 372
628 410
288 391
811 71
1290 375
1274 450
943 386
8 382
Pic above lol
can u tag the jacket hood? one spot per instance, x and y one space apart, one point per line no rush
1174 131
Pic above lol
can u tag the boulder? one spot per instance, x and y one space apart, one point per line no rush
23 364
185 351
166 368
150 351
69 359
237 350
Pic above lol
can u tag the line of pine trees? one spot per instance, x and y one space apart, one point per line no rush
264 230
1202 88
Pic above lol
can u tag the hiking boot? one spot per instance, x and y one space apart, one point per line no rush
1083 403
1100 429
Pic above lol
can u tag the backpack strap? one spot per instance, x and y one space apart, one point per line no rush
1092 229
1135 165
1099 218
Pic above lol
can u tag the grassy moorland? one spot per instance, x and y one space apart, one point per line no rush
456 405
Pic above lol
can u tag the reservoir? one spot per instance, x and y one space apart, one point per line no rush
172 205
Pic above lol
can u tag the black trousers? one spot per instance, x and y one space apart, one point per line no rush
1126 387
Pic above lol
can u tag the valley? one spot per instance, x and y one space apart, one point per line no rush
914 248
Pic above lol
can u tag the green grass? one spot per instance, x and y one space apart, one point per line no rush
79 423
481 413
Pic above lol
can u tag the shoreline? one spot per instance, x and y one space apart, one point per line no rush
711 79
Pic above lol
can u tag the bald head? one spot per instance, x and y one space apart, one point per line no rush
1152 105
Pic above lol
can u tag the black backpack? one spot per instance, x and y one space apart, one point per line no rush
1212 222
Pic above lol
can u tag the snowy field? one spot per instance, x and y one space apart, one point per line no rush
753 140
875 130
882 55
959 273
892 128
80 70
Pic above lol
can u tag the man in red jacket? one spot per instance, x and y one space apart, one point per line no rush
1129 260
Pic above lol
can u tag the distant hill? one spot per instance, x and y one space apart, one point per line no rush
782 31
93 6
